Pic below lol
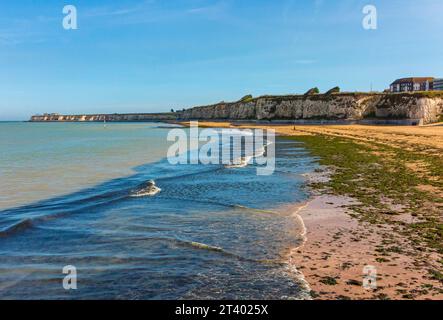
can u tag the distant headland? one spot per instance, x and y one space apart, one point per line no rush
421 107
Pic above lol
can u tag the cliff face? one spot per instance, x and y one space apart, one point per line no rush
332 107
103 117
426 107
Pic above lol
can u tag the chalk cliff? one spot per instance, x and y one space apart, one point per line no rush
105 117
344 106
425 107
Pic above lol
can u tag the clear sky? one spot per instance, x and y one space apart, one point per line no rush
154 55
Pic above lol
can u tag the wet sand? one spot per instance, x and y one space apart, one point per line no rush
338 248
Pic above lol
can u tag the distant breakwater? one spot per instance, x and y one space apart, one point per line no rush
420 107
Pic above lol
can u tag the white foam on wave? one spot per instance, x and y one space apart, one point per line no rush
259 153
246 160
149 191
204 246
240 163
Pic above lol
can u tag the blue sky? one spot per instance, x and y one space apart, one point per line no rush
154 55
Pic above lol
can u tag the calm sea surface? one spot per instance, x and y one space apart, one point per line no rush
70 194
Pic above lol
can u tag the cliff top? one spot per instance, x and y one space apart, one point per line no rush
324 96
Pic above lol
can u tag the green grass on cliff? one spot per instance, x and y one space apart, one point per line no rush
428 94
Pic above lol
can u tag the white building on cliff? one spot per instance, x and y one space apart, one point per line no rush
412 84
438 84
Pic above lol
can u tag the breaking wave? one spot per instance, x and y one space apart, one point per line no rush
245 160
149 190
239 163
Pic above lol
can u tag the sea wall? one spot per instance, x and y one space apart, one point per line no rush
346 106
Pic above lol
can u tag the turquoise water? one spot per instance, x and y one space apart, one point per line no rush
41 160
68 197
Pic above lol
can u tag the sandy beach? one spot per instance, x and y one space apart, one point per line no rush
377 203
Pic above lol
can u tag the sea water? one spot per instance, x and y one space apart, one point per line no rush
76 194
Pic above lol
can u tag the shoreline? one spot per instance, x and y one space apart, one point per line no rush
340 241
336 250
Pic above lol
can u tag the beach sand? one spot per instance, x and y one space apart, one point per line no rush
431 136
339 246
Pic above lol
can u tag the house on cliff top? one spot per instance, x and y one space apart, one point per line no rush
438 84
412 84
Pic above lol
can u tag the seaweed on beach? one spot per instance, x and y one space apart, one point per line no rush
388 182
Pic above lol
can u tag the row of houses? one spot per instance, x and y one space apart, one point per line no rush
417 84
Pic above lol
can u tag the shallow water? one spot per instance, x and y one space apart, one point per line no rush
42 160
212 232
